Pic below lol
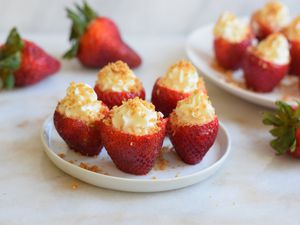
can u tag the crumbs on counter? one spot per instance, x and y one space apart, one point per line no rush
153 178
24 123
74 185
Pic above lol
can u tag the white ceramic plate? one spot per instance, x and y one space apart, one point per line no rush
168 173
199 48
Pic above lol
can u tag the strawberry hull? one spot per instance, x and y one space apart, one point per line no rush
132 153
36 65
295 57
165 99
102 43
112 98
79 136
262 75
193 142
229 55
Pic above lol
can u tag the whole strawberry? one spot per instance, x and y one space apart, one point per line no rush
96 40
286 128
23 63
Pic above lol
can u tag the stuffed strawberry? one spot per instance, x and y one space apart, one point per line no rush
77 119
193 127
96 40
271 18
286 129
117 83
292 33
266 64
133 135
23 63
231 39
178 83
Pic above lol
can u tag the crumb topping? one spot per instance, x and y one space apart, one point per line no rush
183 77
81 103
135 116
194 110
231 28
118 77
273 14
293 30
274 48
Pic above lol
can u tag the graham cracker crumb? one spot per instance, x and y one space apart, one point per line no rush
161 163
75 185
61 155
92 168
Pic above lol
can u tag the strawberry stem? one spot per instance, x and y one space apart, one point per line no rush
80 18
285 120
10 58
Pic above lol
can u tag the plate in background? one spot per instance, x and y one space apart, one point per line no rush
199 48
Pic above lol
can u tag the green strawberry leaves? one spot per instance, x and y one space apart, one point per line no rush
10 58
285 120
80 18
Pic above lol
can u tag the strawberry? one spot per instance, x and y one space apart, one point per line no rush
260 29
192 142
286 128
96 40
295 57
131 153
23 63
79 136
262 75
112 98
229 54
165 99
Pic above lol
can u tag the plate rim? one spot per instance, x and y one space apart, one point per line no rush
54 158
237 91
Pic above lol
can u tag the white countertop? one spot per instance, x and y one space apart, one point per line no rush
253 187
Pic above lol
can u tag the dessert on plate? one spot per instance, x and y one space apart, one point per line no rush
116 83
267 63
96 40
286 131
77 119
292 33
23 63
133 135
177 83
231 39
271 18
193 127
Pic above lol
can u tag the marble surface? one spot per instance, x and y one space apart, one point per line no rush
253 187
132 16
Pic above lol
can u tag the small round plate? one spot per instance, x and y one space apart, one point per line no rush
168 173
199 49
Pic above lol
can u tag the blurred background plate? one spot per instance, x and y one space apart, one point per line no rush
199 48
